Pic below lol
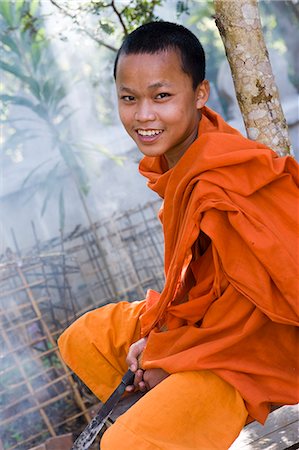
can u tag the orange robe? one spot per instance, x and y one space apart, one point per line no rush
241 316
233 308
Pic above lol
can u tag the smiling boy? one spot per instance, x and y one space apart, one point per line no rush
217 346
159 108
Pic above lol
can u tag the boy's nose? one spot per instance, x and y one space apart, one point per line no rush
144 113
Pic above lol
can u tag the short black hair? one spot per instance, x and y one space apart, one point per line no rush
155 37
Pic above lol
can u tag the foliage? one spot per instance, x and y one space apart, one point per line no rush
203 24
280 21
108 21
34 83
128 16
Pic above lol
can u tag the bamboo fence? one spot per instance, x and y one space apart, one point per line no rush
43 290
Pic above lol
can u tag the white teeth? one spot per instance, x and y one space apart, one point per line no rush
149 132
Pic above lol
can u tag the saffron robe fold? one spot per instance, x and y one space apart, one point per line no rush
239 313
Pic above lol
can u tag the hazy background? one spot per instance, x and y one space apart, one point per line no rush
63 149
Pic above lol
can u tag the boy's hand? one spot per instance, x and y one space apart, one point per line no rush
152 377
144 380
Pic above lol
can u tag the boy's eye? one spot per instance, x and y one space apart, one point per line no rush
128 98
162 95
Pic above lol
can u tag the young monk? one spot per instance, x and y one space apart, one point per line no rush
217 347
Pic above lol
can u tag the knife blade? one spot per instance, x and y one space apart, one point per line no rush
88 435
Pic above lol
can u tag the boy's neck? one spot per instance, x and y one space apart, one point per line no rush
172 160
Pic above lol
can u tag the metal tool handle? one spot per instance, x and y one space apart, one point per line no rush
88 435
128 378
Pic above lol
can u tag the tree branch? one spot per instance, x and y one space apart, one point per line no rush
83 30
119 17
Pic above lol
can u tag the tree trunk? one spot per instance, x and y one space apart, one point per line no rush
239 25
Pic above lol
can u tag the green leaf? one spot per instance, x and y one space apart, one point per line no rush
107 26
19 137
46 199
61 210
33 171
35 54
182 7
76 169
22 101
67 117
18 11
17 100
34 87
9 42
58 94
19 4
47 89
41 111
13 69
49 179
6 12
33 7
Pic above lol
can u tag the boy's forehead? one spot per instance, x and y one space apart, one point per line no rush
162 62
160 55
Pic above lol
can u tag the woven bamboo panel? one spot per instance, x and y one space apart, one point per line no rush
42 290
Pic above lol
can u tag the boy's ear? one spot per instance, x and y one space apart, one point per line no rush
202 94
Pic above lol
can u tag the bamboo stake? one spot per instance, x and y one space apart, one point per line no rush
49 335
29 387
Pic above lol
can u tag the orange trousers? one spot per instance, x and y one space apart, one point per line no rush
188 410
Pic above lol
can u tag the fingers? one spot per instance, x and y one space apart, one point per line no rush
138 382
135 351
132 361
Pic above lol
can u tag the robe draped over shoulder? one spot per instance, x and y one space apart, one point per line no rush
232 308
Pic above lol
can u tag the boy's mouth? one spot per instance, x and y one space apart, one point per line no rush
148 132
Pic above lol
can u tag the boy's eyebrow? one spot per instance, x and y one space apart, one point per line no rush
156 85
124 88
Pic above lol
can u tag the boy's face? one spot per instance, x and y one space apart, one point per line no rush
157 103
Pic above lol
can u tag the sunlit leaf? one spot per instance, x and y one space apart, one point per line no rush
34 4
18 4
6 12
40 36
61 210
